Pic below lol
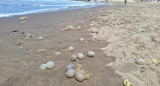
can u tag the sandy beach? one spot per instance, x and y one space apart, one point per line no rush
20 60
118 35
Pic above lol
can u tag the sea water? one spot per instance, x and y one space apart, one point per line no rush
20 7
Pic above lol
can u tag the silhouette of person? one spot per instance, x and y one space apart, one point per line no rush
125 1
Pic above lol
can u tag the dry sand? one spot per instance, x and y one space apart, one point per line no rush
20 63
132 31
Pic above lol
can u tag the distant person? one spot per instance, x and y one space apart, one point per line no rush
125 1
158 0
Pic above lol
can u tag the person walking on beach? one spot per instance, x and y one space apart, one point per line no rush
125 1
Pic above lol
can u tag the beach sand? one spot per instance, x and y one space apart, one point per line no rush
118 34
20 62
132 32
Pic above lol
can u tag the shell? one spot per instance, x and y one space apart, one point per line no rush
80 55
50 64
43 66
91 25
40 37
41 50
70 73
28 34
74 57
58 54
91 54
27 37
79 76
81 39
24 17
70 66
70 48
70 26
79 27
93 30
140 61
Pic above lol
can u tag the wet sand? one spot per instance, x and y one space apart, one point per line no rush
20 63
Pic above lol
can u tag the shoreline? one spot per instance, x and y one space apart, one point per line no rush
53 10
20 63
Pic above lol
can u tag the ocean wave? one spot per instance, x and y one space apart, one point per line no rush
14 9
64 5
43 5
24 13
84 4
